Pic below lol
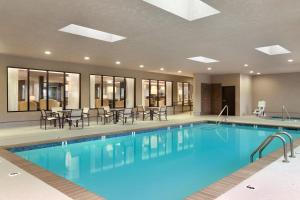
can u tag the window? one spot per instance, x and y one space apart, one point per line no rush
108 91
157 93
72 90
184 93
119 92
17 80
145 92
179 93
37 90
55 90
169 93
130 92
115 92
33 90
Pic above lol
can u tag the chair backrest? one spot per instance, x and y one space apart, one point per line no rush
261 105
101 111
107 108
43 113
86 110
76 113
163 108
127 111
140 108
56 109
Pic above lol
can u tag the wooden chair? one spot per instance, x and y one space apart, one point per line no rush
86 114
161 112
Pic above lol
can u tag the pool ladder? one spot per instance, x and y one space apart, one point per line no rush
219 121
269 139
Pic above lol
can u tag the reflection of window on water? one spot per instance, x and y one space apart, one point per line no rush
124 151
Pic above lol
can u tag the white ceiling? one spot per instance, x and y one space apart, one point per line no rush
156 38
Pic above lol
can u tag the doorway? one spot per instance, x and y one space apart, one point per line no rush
228 98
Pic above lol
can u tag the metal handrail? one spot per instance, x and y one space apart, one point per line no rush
269 139
284 110
291 142
226 117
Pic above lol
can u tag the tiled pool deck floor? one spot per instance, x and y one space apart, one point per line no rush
20 134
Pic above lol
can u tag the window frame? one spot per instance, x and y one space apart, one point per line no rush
158 96
114 89
28 85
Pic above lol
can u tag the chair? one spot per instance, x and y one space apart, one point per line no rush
86 114
47 117
140 110
125 114
260 110
75 116
161 112
103 115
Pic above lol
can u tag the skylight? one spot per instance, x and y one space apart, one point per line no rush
187 9
273 50
91 33
203 59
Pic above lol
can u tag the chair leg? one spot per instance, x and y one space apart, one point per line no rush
82 123
45 124
70 124
40 122
97 120
88 120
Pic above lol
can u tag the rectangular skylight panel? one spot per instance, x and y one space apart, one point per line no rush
273 50
91 33
203 59
187 9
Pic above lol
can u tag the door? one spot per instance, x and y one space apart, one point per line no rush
228 98
205 99
216 98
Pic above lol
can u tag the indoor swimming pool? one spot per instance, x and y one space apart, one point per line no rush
167 163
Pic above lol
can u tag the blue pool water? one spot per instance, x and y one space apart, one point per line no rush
167 164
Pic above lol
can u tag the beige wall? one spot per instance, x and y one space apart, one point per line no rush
85 71
198 80
230 80
245 94
277 90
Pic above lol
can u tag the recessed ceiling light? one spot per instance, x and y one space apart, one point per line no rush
290 60
246 65
86 58
179 71
209 68
186 9
258 73
273 50
91 33
162 69
251 72
47 52
118 62
203 59
141 66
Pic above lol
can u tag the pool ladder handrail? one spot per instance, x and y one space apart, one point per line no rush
269 139
225 118
285 110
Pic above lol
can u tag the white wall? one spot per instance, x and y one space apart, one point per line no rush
245 94
277 90
198 80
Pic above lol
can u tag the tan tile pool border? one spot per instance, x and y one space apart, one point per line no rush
76 192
